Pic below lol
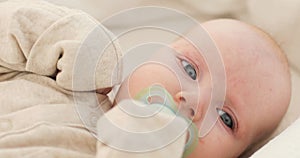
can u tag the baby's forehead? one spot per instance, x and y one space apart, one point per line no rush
236 51
242 46
247 52
248 58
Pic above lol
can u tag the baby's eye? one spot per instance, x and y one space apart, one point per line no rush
226 118
189 69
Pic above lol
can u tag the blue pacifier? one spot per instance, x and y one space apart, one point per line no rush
160 96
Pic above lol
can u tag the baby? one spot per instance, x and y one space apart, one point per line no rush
257 94
39 42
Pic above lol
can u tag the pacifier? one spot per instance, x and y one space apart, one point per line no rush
157 95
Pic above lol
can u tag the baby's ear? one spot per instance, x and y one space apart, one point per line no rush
104 90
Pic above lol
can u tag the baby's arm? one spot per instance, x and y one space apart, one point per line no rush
44 39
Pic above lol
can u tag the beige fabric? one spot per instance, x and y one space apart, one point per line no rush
38 118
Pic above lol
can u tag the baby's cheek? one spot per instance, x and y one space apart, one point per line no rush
152 74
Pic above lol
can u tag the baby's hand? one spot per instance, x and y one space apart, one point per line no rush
134 129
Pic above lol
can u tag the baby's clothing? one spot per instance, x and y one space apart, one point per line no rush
38 117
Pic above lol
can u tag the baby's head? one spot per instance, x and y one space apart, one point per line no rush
258 86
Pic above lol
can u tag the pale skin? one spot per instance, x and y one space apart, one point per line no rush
257 87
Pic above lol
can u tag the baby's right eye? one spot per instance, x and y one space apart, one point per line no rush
189 69
226 119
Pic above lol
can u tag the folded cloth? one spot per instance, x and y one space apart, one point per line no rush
38 46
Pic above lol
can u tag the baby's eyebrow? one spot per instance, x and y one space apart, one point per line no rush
196 56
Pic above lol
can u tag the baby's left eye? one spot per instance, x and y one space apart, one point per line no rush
189 69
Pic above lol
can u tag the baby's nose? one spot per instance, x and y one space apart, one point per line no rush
189 105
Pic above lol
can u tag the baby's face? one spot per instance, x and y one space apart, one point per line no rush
254 81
